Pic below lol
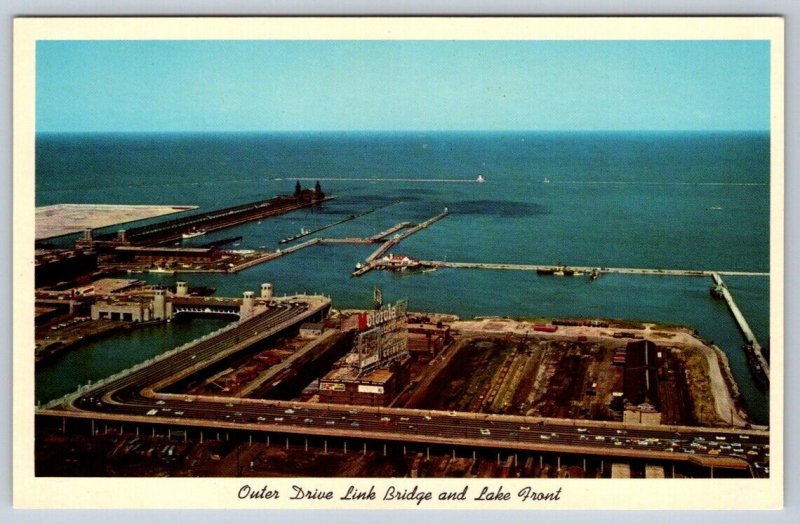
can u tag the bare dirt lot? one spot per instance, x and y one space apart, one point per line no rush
505 367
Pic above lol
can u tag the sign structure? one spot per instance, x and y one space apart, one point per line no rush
383 336
331 386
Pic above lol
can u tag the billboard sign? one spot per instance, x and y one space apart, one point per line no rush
331 386
377 390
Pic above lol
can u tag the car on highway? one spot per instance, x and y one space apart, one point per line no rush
354 424
427 417
152 412
485 432
278 419
330 422
160 402
289 411
582 430
261 419
524 428
308 421
179 413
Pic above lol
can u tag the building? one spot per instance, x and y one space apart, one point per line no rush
166 256
311 329
52 267
426 341
345 385
126 310
376 370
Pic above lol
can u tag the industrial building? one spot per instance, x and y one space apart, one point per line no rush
376 370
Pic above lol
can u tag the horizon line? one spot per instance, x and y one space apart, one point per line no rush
388 131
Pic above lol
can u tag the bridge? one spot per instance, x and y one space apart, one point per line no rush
137 397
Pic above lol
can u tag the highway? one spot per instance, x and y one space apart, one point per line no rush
701 445
138 397
133 400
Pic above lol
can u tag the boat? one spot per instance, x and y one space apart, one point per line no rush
193 233
546 180
715 208
161 271
480 179
756 370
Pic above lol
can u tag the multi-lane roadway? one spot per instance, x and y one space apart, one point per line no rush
138 397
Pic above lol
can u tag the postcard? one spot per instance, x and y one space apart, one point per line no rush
415 263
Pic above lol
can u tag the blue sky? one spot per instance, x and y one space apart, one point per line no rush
161 86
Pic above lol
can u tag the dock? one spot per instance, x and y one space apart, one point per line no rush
371 261
172 230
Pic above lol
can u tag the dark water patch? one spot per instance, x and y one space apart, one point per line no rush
501 208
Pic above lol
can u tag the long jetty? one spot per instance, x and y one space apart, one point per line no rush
385 233
749 337
587 269
386 246
332 224
371 260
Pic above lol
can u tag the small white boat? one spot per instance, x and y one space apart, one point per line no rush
194 233
715 208
480 179
546 180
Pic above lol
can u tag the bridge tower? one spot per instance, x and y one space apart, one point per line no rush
159 305
182 289
266 291
248 303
